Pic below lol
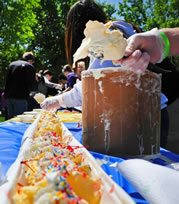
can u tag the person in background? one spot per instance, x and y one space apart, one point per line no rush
63 82
44 78
79 14
71 77
20 81
80 66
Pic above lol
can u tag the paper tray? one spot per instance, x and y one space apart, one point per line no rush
16 172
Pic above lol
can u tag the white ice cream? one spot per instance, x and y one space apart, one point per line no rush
100 42
39 97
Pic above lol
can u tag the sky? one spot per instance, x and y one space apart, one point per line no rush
112 2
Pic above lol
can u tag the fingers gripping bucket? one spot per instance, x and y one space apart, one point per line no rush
121 112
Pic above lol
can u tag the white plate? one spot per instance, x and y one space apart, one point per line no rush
37 110
30 113
26 118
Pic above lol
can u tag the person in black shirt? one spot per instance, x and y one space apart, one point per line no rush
44 82
20 81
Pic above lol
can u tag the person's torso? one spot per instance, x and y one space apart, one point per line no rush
71 79
42 88
17 80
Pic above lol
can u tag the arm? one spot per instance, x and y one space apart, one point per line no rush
50 84
74 96
173 37
148 47
69 99
67 89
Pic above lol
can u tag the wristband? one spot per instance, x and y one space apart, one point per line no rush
166 42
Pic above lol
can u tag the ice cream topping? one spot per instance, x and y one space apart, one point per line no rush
101 43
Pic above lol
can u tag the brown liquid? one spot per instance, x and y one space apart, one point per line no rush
121 112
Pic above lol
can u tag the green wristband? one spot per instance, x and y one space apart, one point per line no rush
166 42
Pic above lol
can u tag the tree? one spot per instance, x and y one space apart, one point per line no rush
148 14
38 26
108 9
32 25
16 20
49 32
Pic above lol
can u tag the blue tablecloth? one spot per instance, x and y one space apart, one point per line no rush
10 141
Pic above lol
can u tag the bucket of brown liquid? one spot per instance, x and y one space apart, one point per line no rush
121 112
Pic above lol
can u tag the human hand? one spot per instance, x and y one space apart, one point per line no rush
58 86
143 48
137 61
52 103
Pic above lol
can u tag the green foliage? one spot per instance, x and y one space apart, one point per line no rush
108 9
15 33
33 25
39 26
148 14
49 32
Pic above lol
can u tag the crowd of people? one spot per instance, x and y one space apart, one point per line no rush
23 82
142 48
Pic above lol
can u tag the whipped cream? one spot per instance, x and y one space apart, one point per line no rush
101 43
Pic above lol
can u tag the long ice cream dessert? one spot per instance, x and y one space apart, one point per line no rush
55 172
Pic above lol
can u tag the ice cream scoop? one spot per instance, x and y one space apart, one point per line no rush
101 43
39 97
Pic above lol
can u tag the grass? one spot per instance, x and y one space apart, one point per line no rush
1 118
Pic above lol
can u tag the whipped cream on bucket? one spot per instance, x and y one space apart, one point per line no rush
101 43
